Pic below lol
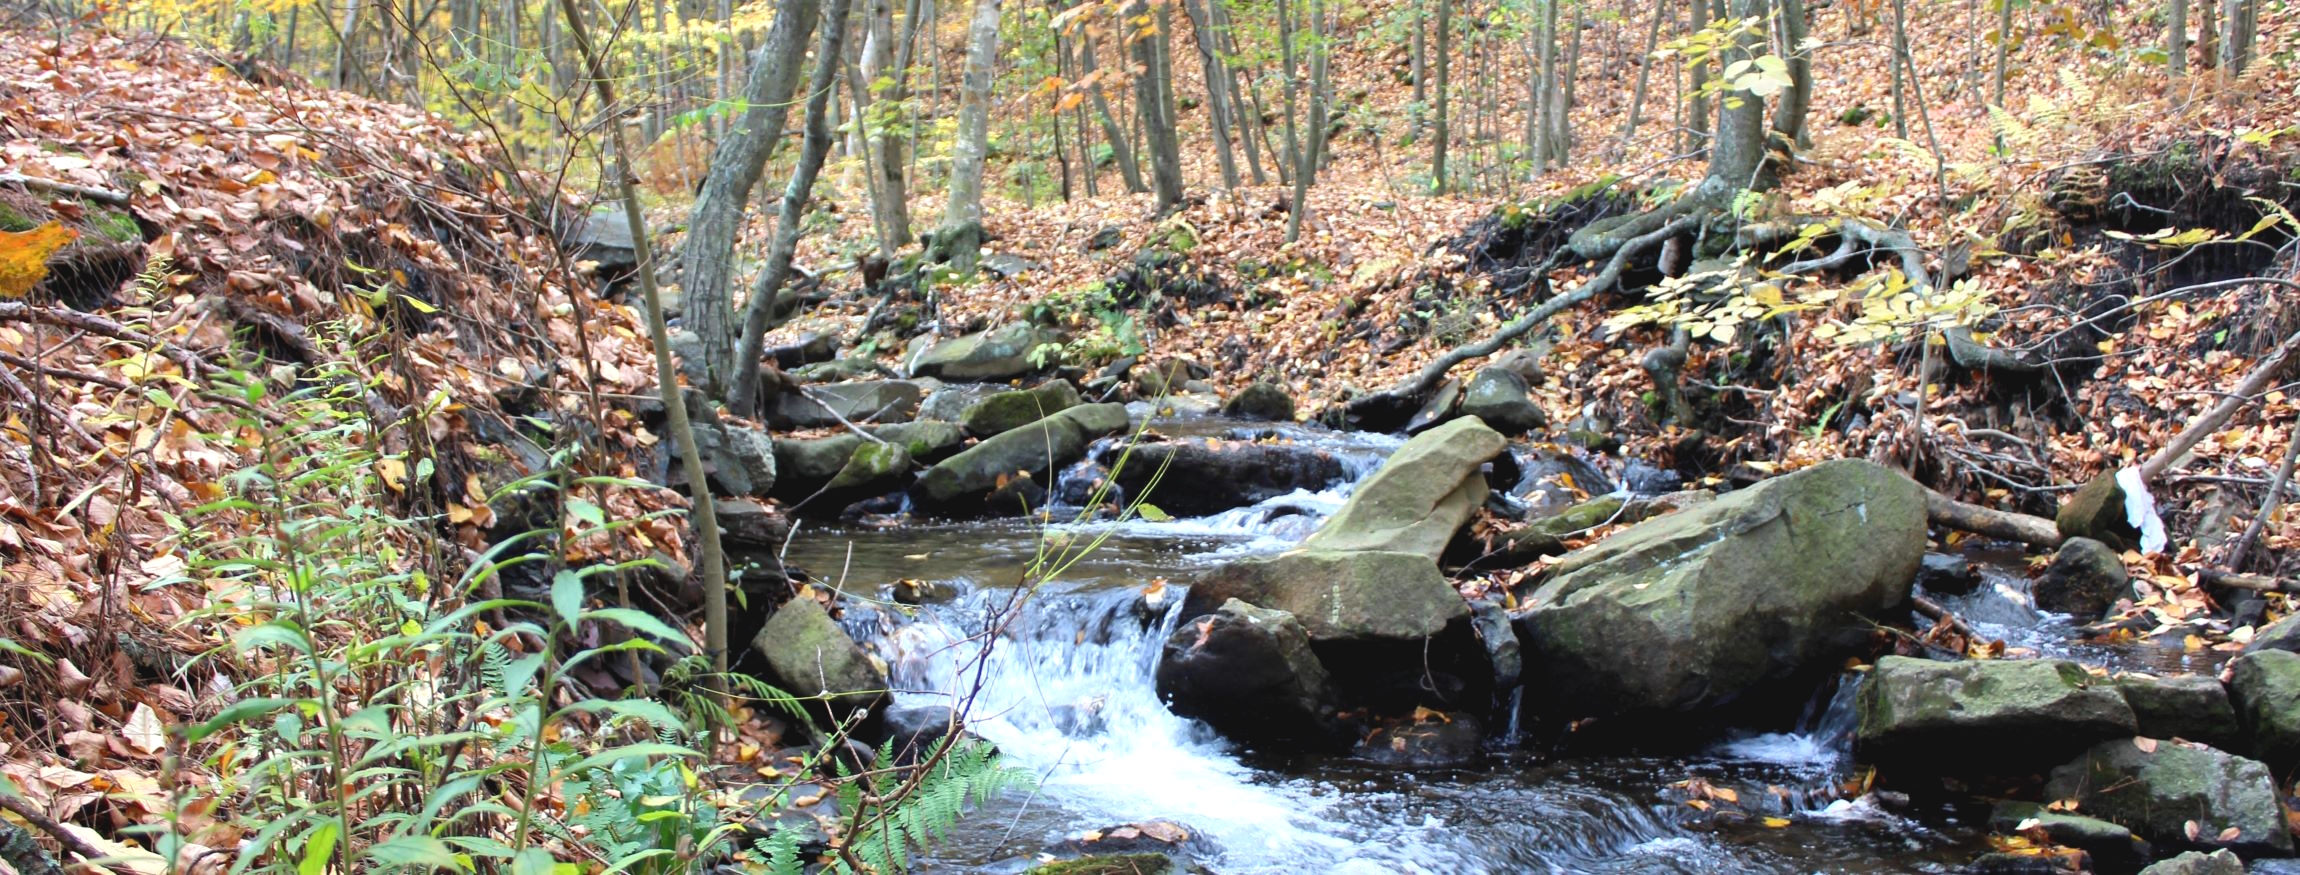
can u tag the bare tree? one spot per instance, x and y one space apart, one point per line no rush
959 240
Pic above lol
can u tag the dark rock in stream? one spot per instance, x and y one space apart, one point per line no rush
2096 511
1198 477
1501 398
2168 792
1549 481
1944 574
1699 607
810 654
1249 673
2265 688
2192 707
1438 409
811 464
1260 401
2197 863
1985 717
2085 579
1429 740
749 525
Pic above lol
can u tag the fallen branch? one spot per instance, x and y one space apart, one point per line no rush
1942 510
2253 582
86 192
18 311
2246 392
38 818
2268 503
818 402
1932 610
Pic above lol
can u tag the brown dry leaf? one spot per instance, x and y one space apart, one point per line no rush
2146 745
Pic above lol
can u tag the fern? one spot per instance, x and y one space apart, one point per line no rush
968 773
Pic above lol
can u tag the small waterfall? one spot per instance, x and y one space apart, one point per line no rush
1817 752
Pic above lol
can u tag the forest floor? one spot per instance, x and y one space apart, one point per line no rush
368 244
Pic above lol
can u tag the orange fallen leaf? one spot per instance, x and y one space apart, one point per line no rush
24 256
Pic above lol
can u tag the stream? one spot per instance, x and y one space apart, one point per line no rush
1067 692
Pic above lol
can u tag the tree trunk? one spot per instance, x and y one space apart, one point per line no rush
1644 74
1306 164
2239 24
2176 37
1789 120
1217 97
1154 102
1444 64
706 279
883 155
1419 71
814 148
1697 117
1121 153
959 240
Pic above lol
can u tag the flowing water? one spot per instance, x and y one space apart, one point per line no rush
1066 690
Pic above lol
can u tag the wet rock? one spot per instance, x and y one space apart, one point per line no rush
2265 689
2157 792
1698 607
949 403
816 347
921 592
749 525
1491 623
1340 595
1420 497
2084 580
1502 399
1545 536
2193 707
1080 719
1430 741
1643 479
1110 864
2096 511
1031 453
1944 574
2006 863
1199 477
1001 353
1438 409
874 469
1007 411
2100 838
915 728
810 654
1985 716
807 465
1249 673
1260 401
1549 481
1165 377
876 401
2282 635
2198 863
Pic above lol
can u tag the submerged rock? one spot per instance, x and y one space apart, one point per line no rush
1501 398
2158 788
749 525
1249 673
1260 401
1420 497
1985 715
1430 740
1696 608
2084 580
1943 574
1199 477
1029 454
2094 836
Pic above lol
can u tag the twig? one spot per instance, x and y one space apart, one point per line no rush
2268 504
88 192
18 311
82 376
818 401
2254 582
16 387
38 818
2213 419
1933 610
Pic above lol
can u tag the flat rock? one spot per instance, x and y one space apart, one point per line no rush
1985 715
1419 497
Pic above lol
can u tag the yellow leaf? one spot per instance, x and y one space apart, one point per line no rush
1776 822
1723 794
24 256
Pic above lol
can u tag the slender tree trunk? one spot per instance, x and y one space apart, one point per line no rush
1789 121
1697 118
347 66
2004 50
714 568
1738 155
882 154
822 83
1419 70
1121 153
959 240
1154 102
1251 137
2239 24
2208 32
1438 182
1645 64
1900 93
2176 37
1217 98
1306 163
707 256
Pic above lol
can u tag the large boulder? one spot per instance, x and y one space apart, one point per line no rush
2265 688
2283 634
1421 495
2178 795
2194 707
810 654
1985 715
1001 353
872 401
1696 608
1007 411
2085 579
1198 477
1501 398
1249 673
1260 401
737 461
807 465
1032 452
1340 596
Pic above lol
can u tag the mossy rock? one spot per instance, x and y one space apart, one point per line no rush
1110 864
